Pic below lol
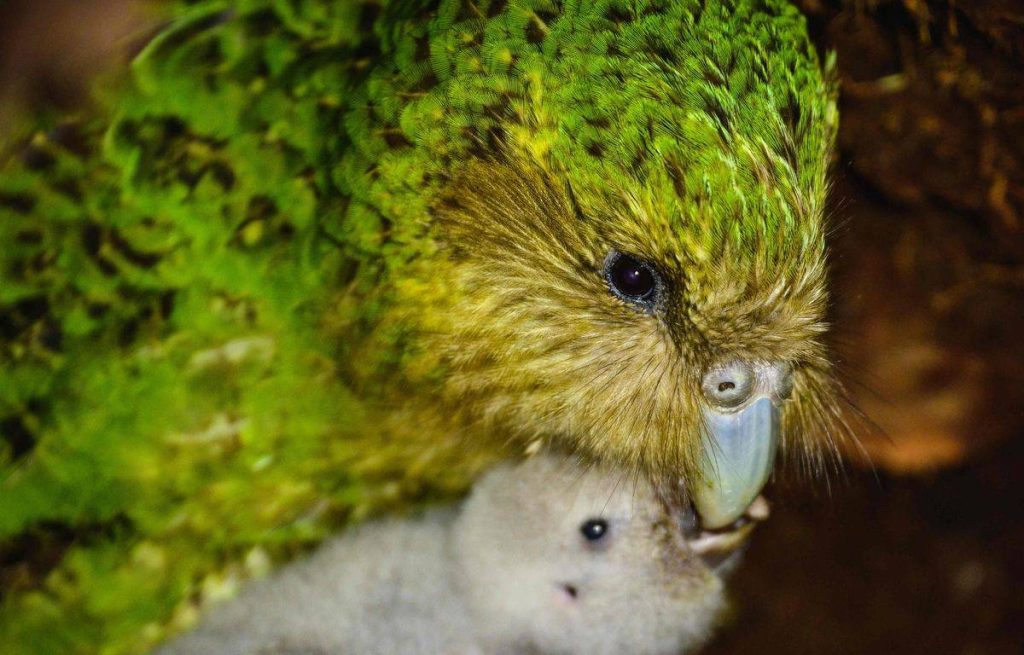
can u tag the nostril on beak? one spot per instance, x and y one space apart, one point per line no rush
729 385
733 383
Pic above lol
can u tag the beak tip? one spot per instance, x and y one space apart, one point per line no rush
739 453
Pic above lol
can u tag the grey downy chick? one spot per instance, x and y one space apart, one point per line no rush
544 558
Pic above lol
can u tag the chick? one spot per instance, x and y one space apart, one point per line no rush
542 559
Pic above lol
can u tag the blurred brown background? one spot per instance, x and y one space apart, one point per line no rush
919 545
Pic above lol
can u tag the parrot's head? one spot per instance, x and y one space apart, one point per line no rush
611 330
638 250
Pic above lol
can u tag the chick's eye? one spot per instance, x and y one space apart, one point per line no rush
594 529
631 279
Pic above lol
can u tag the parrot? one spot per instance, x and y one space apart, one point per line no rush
305 261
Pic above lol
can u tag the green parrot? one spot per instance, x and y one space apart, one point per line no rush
309 260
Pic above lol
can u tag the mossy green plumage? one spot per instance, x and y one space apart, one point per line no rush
269 286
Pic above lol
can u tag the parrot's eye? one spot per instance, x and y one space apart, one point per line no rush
632 279
594 529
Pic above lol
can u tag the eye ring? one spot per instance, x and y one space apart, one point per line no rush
633 280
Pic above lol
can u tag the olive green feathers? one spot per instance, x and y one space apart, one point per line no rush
308 260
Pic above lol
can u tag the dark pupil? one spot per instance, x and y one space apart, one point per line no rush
631 278
594 529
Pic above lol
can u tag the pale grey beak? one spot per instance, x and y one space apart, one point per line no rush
737 458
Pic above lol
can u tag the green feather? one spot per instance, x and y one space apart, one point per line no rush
221 293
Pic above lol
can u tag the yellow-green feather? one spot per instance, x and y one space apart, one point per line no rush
311 260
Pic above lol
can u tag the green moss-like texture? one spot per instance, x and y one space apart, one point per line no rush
169 403
199 282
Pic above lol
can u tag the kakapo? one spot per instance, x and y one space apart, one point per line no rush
308 260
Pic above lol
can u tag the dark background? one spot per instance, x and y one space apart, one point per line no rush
918 545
